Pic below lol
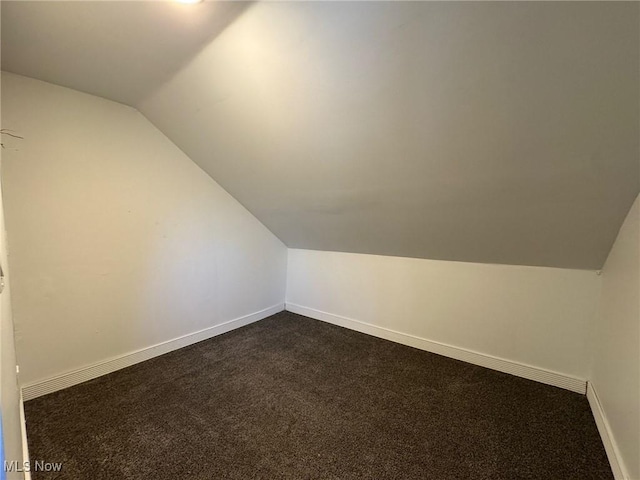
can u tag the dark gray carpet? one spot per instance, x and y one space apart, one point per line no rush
290 397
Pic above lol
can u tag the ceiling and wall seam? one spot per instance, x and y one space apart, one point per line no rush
484 133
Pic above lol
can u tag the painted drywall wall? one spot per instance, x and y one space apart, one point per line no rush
11 426
117 239
531 315
615 371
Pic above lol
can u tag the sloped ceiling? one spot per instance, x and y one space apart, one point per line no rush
120 50
500 132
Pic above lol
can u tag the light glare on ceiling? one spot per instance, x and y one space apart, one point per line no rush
189 1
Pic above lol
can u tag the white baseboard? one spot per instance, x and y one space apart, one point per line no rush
502 365
68 379
608 441
25 444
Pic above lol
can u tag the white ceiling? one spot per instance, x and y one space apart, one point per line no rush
117 50
502 132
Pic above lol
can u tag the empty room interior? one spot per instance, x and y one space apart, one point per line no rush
320 240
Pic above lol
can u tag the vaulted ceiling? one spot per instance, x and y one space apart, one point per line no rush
504 132
120 50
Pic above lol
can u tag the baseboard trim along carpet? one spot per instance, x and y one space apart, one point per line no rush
500 364
25 443
49 385
605 433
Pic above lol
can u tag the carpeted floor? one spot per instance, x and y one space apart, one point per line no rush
290 397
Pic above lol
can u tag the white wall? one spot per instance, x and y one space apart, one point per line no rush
118 240
615 372
10 426
531 315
